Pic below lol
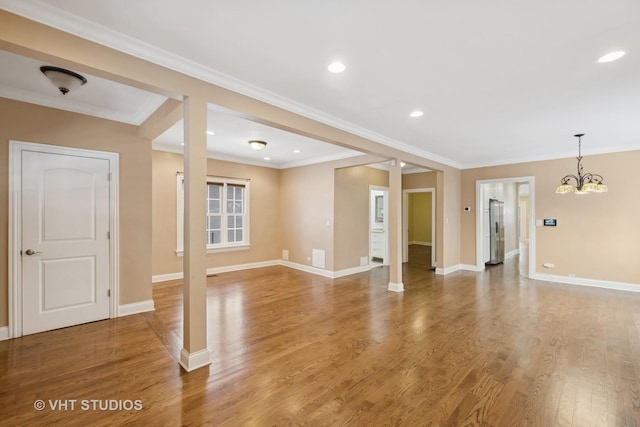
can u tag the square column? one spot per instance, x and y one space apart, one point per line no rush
395 226
194 352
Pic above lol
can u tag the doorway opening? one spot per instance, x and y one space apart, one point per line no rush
378 226
516 196
419 226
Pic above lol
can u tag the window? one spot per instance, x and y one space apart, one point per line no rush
227 223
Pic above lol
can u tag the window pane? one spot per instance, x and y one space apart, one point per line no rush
229 206
239 221
238 235
239 192
215 237
214 191
231 221
230 236
214 206
215 222
238 207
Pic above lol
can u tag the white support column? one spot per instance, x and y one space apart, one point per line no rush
194 352
395 226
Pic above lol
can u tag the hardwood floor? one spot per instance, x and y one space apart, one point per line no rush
291 348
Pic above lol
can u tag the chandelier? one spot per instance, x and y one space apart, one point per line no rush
585 182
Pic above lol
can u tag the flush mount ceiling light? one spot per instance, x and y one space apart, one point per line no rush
267 158
612 56
585 182
257 145
297 151
336 67
210 132
64 80
416 113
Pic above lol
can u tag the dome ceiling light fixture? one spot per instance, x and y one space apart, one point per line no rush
585 182
257 145
64 80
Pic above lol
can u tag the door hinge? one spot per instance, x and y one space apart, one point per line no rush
108 234
109 292
109 176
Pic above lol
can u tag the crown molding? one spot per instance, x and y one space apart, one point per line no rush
67 22
542 158
78 107
267 164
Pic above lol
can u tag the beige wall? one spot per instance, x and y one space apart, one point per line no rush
351 228
306 209
598 235
264 206
26 122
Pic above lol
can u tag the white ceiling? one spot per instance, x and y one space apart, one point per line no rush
21 79
499 82
231 142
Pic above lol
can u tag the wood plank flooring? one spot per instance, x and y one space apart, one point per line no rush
291 348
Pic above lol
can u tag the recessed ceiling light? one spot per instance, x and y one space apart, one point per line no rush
210 132
416 113
267 158
612 56
297 151
182 143
336 67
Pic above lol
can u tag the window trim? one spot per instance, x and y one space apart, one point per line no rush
227 247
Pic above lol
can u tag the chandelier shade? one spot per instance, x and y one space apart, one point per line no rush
584 182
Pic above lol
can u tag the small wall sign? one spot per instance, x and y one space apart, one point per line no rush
550 222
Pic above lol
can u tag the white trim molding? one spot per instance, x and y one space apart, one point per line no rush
471 267
448 270
350 271
594 283
416 242
512 253
395 287
4 333
135 308
216 270
307 269
192 361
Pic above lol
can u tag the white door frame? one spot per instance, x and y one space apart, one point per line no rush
386 222
15 226
532 223
405 222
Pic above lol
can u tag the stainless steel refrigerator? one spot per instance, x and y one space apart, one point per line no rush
496 231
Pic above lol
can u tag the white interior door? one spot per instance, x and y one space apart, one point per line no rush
65 240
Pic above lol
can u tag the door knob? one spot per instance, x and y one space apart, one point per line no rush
31 252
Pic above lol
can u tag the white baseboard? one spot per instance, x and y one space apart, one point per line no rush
471 267
419 243
238 267
350 271
166 277
449 270
395 287
4 333
136 307
605 284
193 361
216 270
307 268
511 253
